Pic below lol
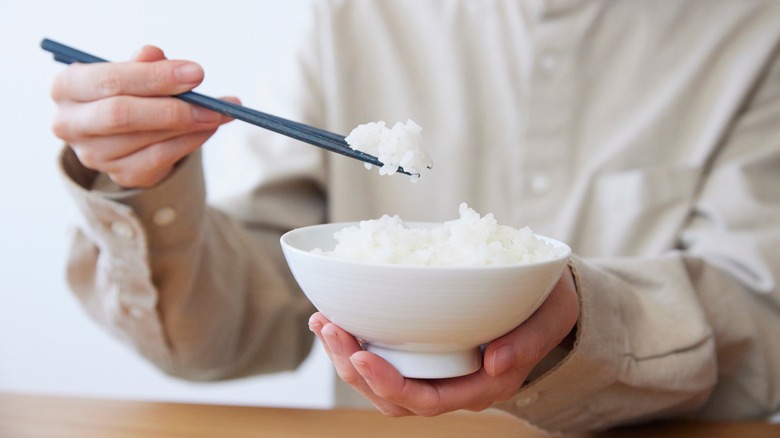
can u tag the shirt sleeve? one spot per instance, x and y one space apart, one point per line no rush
196 292
692 332
197 283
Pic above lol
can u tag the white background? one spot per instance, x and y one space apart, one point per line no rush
47 343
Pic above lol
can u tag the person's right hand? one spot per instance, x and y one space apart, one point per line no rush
119 118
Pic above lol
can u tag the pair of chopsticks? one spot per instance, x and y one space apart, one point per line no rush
324 139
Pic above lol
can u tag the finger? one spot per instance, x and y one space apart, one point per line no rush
316 322
427 398
88 82
127 114
342 346
478 390
148 54
152 164
95 152
232 99
530 342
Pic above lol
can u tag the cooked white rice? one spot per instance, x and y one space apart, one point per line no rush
397 147
470 240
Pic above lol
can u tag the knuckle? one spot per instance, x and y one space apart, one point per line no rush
58 86
170 113
161 76
115 113
61 127
350 377
123 179
66 82
534 349
155 159
429 410
87 157
159 156
144 182
109 83
129 177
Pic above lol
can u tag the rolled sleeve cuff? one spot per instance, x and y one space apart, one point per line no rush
109 269
559 400
179 199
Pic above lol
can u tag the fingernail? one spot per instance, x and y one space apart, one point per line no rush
188 73
332 338
361 366
314 326
503 359
203 115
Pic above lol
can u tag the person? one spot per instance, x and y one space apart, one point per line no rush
645 135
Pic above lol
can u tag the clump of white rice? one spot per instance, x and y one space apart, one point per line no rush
400 146
471 240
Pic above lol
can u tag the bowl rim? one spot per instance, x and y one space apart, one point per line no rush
565 255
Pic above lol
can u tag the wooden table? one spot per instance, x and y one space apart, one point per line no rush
23 416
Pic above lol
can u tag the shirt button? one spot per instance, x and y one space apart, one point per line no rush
137 304
548 61
527 399
539 183
164 216
136 312
122 229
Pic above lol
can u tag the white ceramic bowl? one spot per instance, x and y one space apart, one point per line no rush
428 322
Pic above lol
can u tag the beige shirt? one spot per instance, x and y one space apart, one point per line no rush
644 134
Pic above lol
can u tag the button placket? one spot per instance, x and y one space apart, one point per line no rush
137 302
548 124
545 165
130 287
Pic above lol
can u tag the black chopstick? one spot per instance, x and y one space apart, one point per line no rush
318 137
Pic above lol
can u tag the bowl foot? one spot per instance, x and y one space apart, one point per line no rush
421 365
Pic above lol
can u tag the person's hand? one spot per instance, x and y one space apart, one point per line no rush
119 119
507 362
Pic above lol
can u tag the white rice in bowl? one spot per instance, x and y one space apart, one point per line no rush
471 240
396 147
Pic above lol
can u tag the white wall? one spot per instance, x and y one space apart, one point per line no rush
47 344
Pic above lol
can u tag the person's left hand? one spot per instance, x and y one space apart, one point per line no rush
507 362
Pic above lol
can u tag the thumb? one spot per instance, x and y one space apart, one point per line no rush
231 99
148 54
